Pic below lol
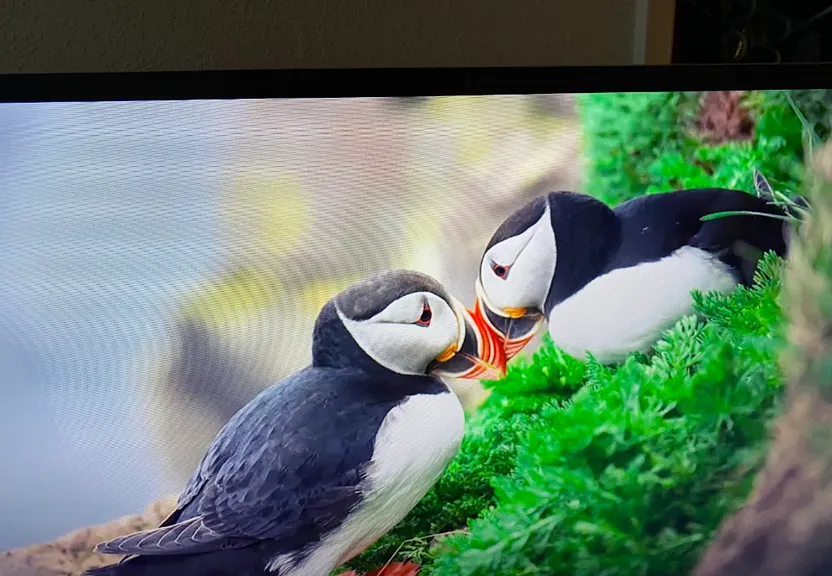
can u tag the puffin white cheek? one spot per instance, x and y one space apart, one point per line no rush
445 328
529 277
501 293
402 348
406 347
534 270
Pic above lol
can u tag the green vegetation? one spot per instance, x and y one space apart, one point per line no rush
573 468
647 142
633 475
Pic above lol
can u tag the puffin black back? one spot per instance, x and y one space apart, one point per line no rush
306 323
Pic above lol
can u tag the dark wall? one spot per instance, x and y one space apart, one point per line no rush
108 35
747 31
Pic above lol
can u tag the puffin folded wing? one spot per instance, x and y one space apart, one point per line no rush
187 537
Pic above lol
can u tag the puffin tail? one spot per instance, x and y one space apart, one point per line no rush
244 560
128 567
109 570
147 566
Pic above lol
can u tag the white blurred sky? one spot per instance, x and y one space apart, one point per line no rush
106 214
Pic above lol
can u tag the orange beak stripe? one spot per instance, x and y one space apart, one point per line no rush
513 347
491 344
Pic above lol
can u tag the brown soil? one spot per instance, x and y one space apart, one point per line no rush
723 118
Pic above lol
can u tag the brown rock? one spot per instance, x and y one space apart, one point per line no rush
73 553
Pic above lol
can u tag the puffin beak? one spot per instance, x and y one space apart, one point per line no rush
477 355
514 312
514 327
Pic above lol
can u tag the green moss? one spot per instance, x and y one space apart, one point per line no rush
574 468
640 143
814 106
626 133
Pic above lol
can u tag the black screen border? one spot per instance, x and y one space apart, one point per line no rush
403 82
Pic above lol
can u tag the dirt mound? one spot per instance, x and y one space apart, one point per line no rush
72 553
724 118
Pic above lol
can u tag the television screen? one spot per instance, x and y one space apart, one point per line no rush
598 279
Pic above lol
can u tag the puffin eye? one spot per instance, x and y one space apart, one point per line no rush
499 270
425 318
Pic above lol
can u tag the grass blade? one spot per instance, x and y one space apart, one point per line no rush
728 213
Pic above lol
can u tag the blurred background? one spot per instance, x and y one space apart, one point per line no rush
162 262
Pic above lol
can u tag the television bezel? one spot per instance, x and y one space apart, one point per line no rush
403 82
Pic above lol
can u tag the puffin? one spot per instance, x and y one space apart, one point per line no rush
318 466
610 281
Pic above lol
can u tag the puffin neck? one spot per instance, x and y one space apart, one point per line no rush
587 234
334 347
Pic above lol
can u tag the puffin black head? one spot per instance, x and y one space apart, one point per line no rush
407 322
517 273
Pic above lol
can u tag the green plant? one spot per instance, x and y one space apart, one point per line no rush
634 474
813 106
628 133
644 142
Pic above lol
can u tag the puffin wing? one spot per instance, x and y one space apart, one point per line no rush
303 465
741 240
287 467
189 536
660 224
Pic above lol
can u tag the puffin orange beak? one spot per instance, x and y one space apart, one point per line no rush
515 327
481 356
514 312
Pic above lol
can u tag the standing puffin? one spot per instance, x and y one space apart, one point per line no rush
317 467
611 281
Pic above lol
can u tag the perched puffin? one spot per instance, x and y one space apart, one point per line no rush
611 281
317 467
